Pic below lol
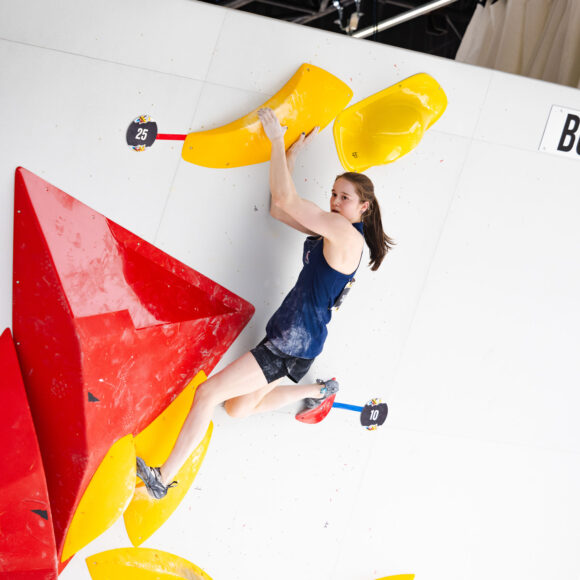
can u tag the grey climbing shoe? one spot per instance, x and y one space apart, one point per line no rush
327 389
151 477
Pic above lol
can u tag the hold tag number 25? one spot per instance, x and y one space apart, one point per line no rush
142 133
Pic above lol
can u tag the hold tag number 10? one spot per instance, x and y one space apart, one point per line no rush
374 414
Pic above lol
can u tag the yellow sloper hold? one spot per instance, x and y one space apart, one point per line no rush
142 564
105 499
311 97
398 577
145 514
385 126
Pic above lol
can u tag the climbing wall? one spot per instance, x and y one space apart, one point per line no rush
468 331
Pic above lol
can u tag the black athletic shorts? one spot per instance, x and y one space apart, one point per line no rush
275 364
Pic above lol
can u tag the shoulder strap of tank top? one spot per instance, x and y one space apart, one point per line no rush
340 299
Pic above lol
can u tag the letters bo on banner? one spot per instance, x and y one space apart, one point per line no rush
562 132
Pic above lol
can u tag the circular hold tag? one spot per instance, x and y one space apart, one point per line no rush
142 133
374 414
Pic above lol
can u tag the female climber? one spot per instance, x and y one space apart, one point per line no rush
296 332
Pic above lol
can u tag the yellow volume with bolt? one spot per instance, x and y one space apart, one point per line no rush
385 126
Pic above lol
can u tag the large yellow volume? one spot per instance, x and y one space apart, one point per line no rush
385 126
144 514
142 564
105 498
311 97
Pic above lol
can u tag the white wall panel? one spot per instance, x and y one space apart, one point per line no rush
493 348
173 36
450 508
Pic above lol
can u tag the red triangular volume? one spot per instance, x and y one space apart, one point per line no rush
316 415
110 330
27 548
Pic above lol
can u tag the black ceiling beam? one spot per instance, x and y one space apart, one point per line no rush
321 13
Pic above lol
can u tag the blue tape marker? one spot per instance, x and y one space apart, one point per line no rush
349 407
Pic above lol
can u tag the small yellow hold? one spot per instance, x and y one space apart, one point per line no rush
387 125
398 577
105 499
145 515
142 564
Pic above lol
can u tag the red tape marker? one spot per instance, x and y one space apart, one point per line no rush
171 137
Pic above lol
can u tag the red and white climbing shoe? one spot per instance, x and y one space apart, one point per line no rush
315 410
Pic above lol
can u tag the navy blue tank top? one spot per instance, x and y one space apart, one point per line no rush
298 327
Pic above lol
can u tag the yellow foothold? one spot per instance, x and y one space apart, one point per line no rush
105 498
145 515
142 564
398 577
385 126
312 97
